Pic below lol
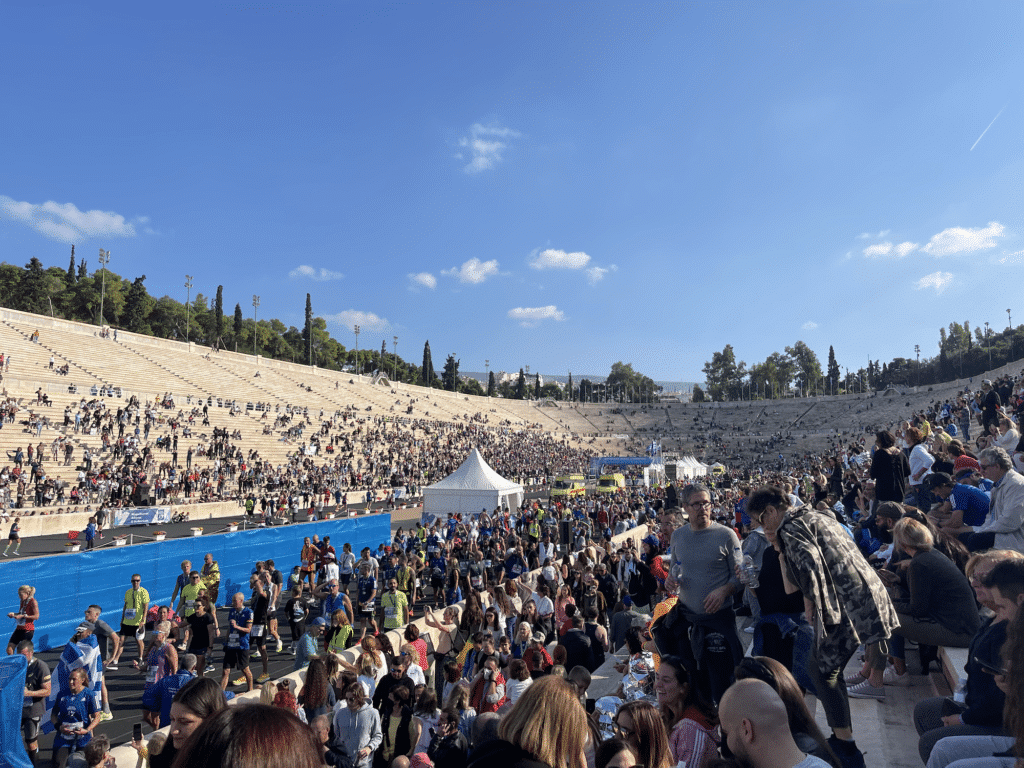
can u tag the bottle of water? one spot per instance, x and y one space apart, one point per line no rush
750 572
960 695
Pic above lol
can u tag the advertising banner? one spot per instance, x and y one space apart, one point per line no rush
142 515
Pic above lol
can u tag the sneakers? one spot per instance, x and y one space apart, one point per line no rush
889 677
847 752
865 690
112 665
280 645
210 668
855 678
259 680
241 681
293 650
106 716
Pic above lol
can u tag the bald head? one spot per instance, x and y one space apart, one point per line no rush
756 724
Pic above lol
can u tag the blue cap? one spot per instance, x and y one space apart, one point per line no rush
319 621
627 601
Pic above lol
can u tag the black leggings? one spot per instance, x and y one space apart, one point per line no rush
831 690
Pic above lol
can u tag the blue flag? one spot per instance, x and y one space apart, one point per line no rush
12 690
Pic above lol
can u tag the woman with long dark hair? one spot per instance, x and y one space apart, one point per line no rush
316 696
889 468
690 720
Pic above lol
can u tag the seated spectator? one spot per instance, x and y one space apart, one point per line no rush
941 611
981 713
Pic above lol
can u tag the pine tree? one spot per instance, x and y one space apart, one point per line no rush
521 385
71 268
218 313
82 271
568 389
833 370
307 330
427 374
238 324
490 384
536 386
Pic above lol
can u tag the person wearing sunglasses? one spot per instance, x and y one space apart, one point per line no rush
640 725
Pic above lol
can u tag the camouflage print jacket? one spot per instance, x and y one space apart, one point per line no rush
851 603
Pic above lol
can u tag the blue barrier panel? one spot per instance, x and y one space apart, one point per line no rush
68 584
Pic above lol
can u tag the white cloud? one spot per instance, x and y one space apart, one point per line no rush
529 317
425 279
473 271
367 321
64 222
555 259
961 240
936 280
810 325
888 249
869 236
879 249
1017 257
486 145
596 274
321 275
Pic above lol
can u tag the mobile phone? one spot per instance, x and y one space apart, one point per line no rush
137 732
989 667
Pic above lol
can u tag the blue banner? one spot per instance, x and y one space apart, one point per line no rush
12 689
67 584
142 515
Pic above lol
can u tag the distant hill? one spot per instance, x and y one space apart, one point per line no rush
667 386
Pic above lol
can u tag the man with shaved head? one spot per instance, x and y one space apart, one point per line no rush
756 728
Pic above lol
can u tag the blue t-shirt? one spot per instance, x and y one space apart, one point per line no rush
366 586
75 709
161 694
514 567
973 502
438 568
234 638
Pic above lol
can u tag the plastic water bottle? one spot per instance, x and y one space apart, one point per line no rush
960 695
750 572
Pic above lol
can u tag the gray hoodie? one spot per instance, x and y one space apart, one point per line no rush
358 729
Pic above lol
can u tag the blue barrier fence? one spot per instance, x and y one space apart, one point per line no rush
68 584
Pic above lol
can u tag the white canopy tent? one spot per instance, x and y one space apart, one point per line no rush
473 487
690 468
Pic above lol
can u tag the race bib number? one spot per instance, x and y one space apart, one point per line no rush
487 563
369 605
257 631
477 582
129 614
190 604
390 612
22 621
233 640
151 674
75 726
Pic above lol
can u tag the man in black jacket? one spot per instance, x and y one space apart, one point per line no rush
448 748
578 649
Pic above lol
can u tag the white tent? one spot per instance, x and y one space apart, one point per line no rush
472 487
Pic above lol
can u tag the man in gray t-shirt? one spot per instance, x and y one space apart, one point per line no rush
704 560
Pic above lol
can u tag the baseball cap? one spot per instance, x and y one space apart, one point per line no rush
538 637
627 601
85 625
319 621
966 472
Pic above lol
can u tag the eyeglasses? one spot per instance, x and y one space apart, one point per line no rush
397 669
700 504
135 581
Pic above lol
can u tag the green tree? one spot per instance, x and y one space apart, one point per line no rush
237 330
806 365
71 268
552 390
218 314
307 331
833 371
82 270
627 384
490 384
450 375
10 280
568 388
521 386
721 374
698 394
470 386
427 373
536 386
138 306
586 391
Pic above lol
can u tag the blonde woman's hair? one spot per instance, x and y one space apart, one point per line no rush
547 722
991 556
267 693
28 589
909 533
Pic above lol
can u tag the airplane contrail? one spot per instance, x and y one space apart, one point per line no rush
986 130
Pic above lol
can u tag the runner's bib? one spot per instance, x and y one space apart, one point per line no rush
233 640
129 614
257 631
151 674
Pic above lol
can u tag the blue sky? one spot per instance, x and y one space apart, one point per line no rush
559 185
